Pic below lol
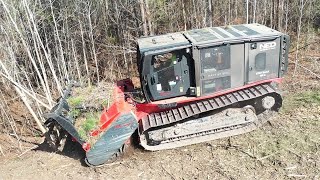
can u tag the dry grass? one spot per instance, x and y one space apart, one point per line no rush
286 148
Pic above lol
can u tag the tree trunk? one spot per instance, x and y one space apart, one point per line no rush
247 5
195 14
184 15
286 16
144 20
301 7
149 18
271 14
236 8
254 11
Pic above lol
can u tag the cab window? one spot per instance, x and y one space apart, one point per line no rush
163 68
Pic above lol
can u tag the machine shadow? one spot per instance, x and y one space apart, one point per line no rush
74 150
70 149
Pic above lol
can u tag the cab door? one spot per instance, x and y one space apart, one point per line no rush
168 74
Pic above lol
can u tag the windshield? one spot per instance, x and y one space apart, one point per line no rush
164 70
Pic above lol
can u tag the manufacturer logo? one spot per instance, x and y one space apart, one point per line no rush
268 46
262 73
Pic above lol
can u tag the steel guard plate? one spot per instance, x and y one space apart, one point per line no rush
112 140
66 124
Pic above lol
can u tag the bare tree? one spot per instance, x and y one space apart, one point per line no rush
302 4
144 19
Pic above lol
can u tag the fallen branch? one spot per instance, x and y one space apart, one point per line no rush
289 150
318 76
313 57
265 157
297 175
110 164
291 168
33 147
168 172
1 151
240 150
247 153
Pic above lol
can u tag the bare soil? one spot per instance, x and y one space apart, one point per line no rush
287 147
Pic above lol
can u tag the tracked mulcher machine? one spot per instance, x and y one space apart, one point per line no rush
197 85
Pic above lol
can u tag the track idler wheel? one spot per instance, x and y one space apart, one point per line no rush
268 102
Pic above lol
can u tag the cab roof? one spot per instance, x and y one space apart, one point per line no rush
162 41
206 36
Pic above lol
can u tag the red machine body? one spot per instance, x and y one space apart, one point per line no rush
124 104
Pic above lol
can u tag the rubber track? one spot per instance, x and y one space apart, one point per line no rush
174 115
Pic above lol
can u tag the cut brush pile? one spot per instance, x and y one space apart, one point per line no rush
86 106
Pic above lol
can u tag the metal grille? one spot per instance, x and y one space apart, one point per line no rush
246 30
201 35
217 84
215 58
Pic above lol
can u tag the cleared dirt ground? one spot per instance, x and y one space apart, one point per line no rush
288 147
